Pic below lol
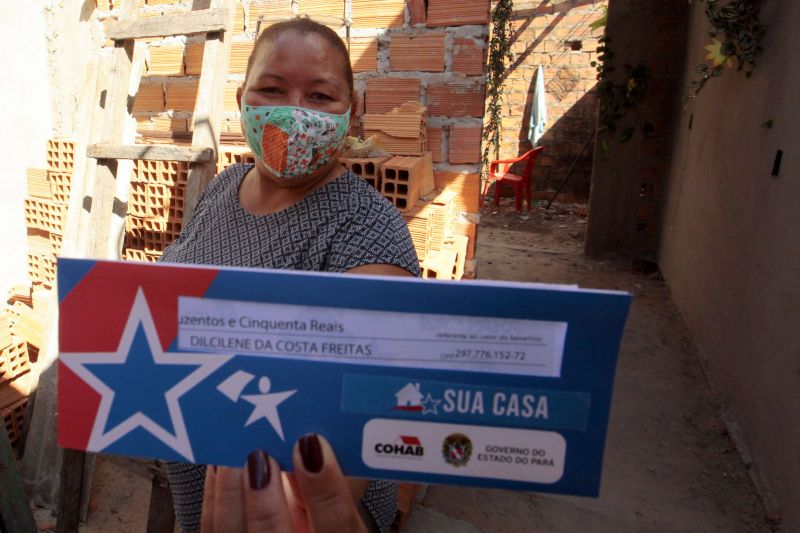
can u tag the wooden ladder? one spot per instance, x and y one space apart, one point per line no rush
95 224
101 182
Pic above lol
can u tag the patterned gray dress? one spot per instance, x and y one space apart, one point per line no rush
342 225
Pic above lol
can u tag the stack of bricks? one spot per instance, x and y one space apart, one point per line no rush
433 55
403 180
46 210
558 37
155 208
21 334
26 319
402 131
368 168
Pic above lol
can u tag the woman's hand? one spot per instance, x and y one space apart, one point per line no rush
258 499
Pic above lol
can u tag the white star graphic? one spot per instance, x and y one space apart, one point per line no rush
208 363
430 405
266 406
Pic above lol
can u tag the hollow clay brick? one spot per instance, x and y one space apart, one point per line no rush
38 184
402 131
424 52
456 100
459 244
165 60
468 57
181 96
367 168
435 143
149 97
384 94
378 13
193 58
465 145
401 181
56 242
60 186
466 187
420 227
240 53
60 155
231 105
364 54
42 268
439 264
267 10
457 12
321 8
470 230
44 215
14 416
417 12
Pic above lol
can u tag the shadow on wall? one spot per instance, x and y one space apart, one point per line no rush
559 38
565 145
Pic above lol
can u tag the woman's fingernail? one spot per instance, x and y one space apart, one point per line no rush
258 469
311 453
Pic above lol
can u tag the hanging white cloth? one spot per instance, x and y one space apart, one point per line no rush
538 109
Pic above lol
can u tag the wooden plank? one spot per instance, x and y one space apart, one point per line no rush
201 21
207 116
91 108
161 515
113 177
69 497
15 512
151 152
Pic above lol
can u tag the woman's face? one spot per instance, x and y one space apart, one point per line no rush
300 70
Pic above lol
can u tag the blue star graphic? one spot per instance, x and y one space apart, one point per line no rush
430 405
140 384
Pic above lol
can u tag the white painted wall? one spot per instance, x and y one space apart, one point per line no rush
25 126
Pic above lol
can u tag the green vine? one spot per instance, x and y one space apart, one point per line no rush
502 35
618 99
736 35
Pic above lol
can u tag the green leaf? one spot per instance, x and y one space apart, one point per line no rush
601 22
626 135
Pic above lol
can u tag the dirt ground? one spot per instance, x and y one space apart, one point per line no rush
669 463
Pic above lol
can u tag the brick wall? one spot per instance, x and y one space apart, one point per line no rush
557 36
431 51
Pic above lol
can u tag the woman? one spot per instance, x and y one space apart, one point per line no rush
297 207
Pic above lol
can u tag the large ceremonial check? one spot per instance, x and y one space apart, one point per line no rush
473 383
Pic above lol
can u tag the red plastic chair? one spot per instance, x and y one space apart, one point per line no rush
499 174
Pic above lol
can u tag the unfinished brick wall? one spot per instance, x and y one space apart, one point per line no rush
557 36
432 52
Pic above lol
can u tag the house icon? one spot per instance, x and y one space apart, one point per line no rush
409 396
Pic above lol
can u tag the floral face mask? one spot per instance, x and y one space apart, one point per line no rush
293 141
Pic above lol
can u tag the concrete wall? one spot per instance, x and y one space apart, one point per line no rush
629 175
25 115
730 246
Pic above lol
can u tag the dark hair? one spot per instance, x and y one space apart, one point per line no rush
303 26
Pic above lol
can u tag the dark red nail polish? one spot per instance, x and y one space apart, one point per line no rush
258 469
311 453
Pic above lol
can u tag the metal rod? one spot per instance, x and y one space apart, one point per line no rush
569 172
